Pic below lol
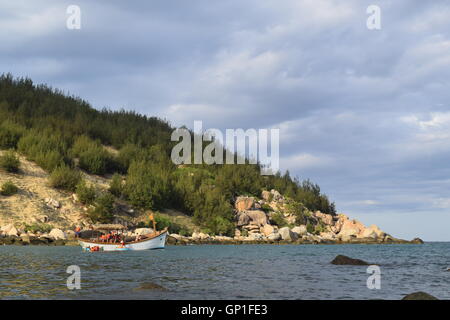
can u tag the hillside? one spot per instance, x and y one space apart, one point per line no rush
65 142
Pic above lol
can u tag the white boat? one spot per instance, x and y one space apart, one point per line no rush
151 241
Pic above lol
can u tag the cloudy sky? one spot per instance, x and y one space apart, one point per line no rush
364 113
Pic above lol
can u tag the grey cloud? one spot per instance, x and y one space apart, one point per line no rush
339 92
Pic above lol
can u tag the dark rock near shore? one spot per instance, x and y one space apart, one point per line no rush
419 296
344 260
417 240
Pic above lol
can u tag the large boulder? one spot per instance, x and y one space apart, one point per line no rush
371 232
326 219
255 217
300 230
5 229
276 196
200 236
70 234
287 234
328 235
351 228
419 296
267 229
274 236
266 195
344 260
12 232
242 219
417 241
58 234
255 236
341 218
244 203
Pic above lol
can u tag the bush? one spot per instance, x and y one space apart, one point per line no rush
48 150
310 228
65 178
163 222
38 227
8 189
116 187
102 212
147 186
10 134
86 195
278 219
92 156
10 162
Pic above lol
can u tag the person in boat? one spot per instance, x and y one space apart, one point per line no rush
77 231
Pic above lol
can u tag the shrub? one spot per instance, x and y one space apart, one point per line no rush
116 187
266 208
86 195
92 156
10 134
310 228
102 212
65 178
147 186
48 150
10 162
8 189
278 219
38 227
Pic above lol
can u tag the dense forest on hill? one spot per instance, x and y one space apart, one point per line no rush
64 134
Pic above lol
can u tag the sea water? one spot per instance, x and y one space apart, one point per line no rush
225 272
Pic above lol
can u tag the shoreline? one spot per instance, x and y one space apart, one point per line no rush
171 241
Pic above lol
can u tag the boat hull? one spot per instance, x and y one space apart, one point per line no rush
157 242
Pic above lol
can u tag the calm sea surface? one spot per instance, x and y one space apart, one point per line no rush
225 272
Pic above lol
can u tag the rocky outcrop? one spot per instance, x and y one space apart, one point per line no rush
260 216
244 203
254 217
417 241
344 260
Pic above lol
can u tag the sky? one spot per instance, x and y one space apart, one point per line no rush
365 113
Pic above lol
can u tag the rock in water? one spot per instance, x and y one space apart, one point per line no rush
417 240
419 296
344 260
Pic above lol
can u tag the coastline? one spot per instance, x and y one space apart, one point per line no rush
185 241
